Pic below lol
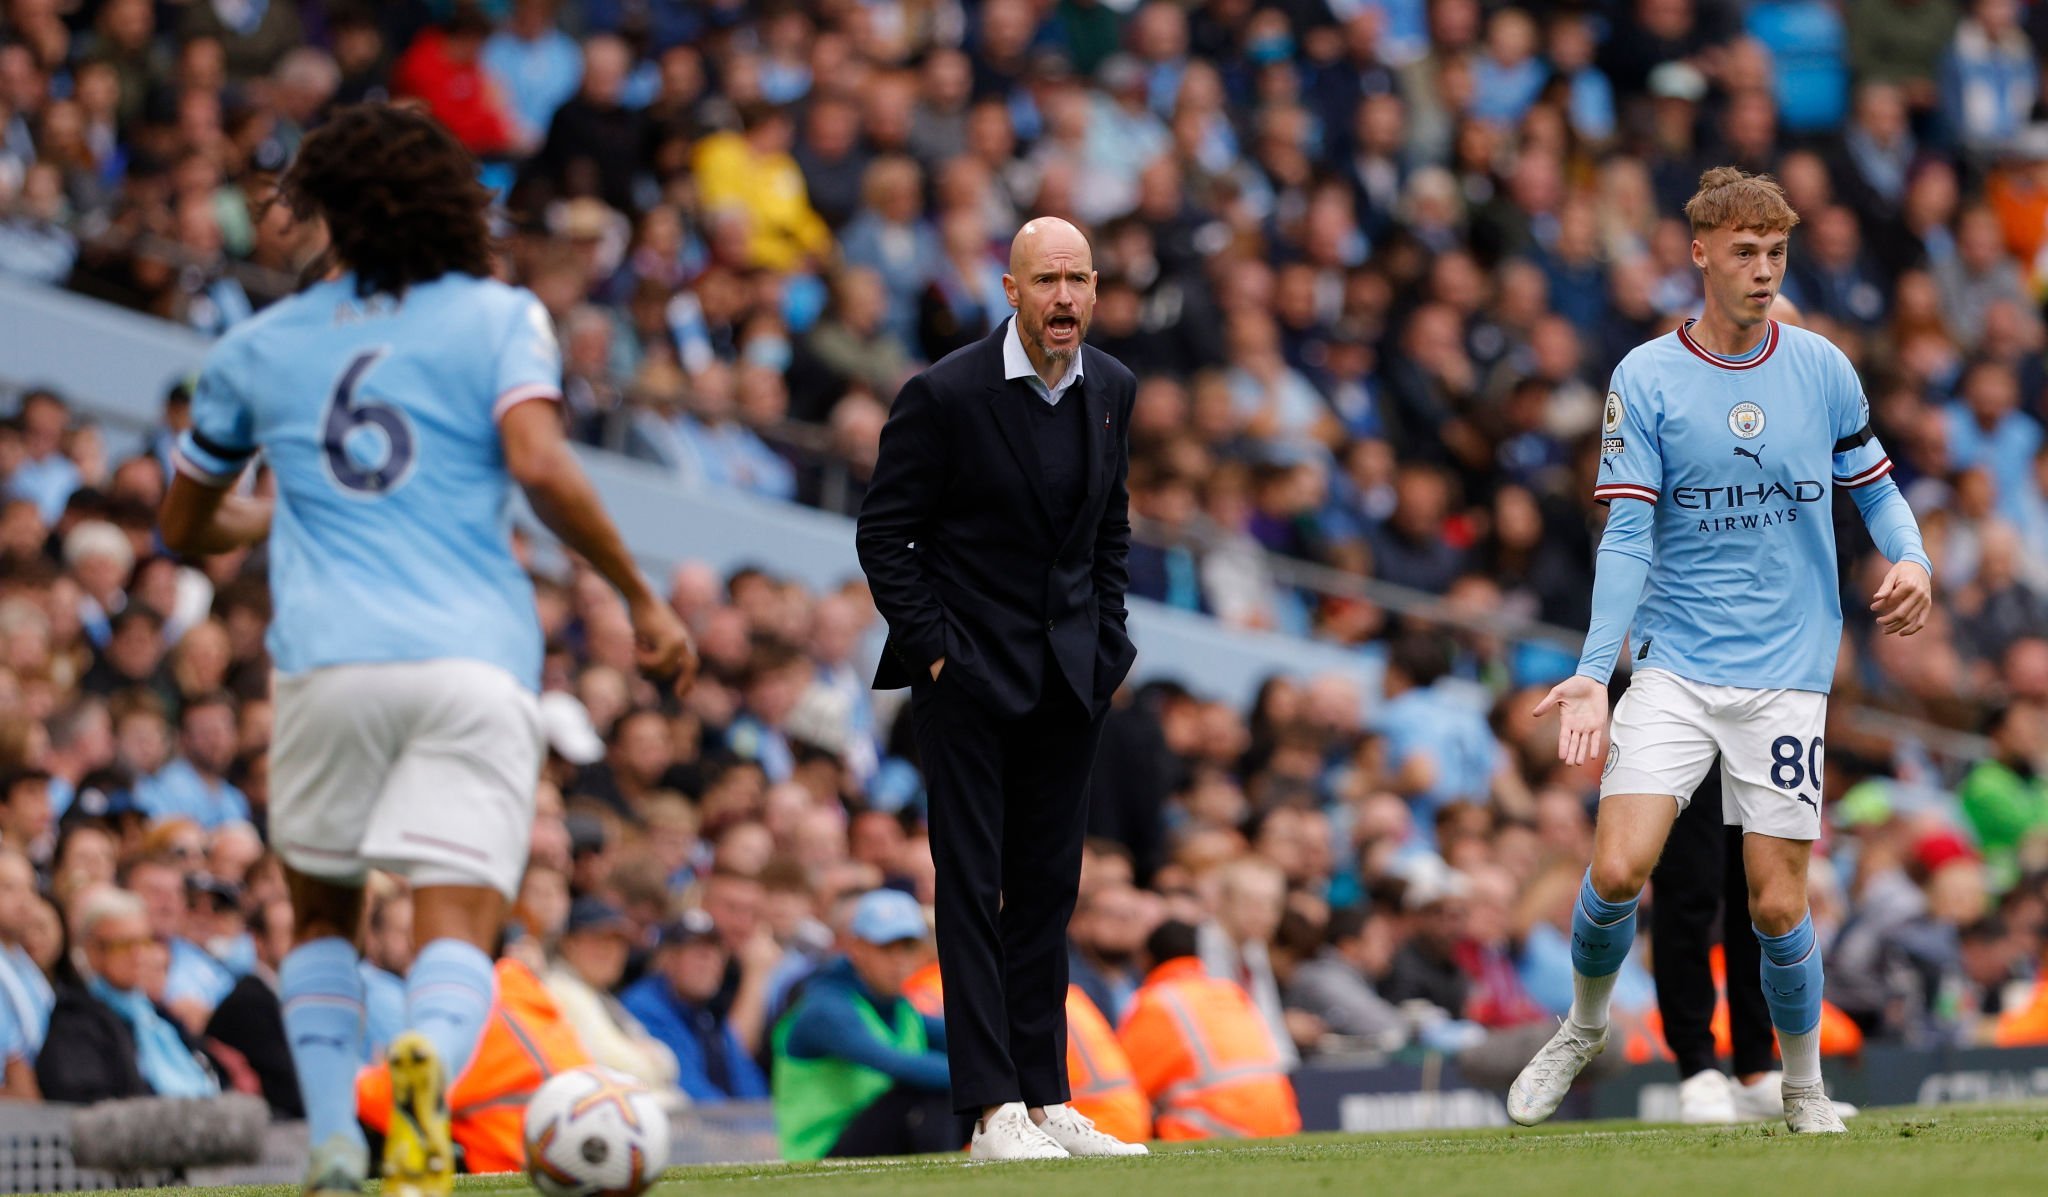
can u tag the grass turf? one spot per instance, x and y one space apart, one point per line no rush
1952 1151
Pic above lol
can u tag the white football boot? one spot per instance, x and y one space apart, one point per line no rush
1809 1112
1548 1077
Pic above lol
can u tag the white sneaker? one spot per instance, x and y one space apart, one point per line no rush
1707 1098
1072 1130
1009 1134
1809 1112
1548 1077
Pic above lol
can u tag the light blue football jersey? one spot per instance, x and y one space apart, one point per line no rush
392 539
1739 460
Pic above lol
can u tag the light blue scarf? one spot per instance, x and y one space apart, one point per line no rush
166 1063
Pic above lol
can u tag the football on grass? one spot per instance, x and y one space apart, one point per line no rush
593 1132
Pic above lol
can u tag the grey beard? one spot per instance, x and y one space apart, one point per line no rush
1056 355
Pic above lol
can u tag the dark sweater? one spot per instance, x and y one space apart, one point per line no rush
1060 434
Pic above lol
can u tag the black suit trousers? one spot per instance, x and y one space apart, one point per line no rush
1700 879
1008 811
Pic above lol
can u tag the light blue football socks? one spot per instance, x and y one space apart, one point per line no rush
322 995
448 997
1793 983
1602 934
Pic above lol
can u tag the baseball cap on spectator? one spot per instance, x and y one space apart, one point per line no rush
820 719
226 895
570 734
886 916
691 926
1431 881
1678 81
1120 72
586 833
1051 66
103 794
595 916
1866 804
1939 849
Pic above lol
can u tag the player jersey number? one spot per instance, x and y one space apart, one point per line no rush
369 446
1792 762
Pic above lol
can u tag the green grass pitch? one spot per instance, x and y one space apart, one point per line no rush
1950 1152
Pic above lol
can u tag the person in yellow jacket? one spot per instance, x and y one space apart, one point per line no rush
754 172
525 1042
1098 1072
1202 1052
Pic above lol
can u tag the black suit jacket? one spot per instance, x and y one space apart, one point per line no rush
959 545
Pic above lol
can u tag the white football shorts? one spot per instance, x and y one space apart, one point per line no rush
1666 732
422 768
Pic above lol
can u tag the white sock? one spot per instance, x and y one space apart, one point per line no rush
1589 999
1801 1057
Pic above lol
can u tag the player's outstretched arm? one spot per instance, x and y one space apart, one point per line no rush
1906 595
539 458
1620 571
198 518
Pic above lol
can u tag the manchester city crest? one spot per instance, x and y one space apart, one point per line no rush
1745 420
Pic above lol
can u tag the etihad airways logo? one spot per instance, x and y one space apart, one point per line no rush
1734 498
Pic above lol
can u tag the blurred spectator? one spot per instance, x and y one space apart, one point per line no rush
250 1019
2005 798
1989 79
1202 1052
534 65
194 785
107 1037
1337 985
26 998
1236 944
673 1001
589 960
858 1070
753 171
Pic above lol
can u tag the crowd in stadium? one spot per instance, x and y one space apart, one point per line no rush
1372 261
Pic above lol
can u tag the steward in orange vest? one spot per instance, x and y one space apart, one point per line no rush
525 1042
1098 1072
1202 1052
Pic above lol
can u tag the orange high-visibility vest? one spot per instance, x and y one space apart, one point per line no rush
1098 1072
1839 1034
525 1042
2026 1026
1204 1055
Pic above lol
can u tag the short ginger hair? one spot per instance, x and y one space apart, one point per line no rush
1732 198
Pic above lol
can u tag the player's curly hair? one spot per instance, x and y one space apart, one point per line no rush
1732 198
399 194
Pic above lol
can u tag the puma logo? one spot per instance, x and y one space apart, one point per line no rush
1808 801
1757 457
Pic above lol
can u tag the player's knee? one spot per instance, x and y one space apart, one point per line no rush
1618 880
1776 912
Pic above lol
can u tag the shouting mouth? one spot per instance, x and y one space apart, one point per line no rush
1062 329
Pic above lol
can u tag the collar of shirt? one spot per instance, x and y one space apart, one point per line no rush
1017 364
